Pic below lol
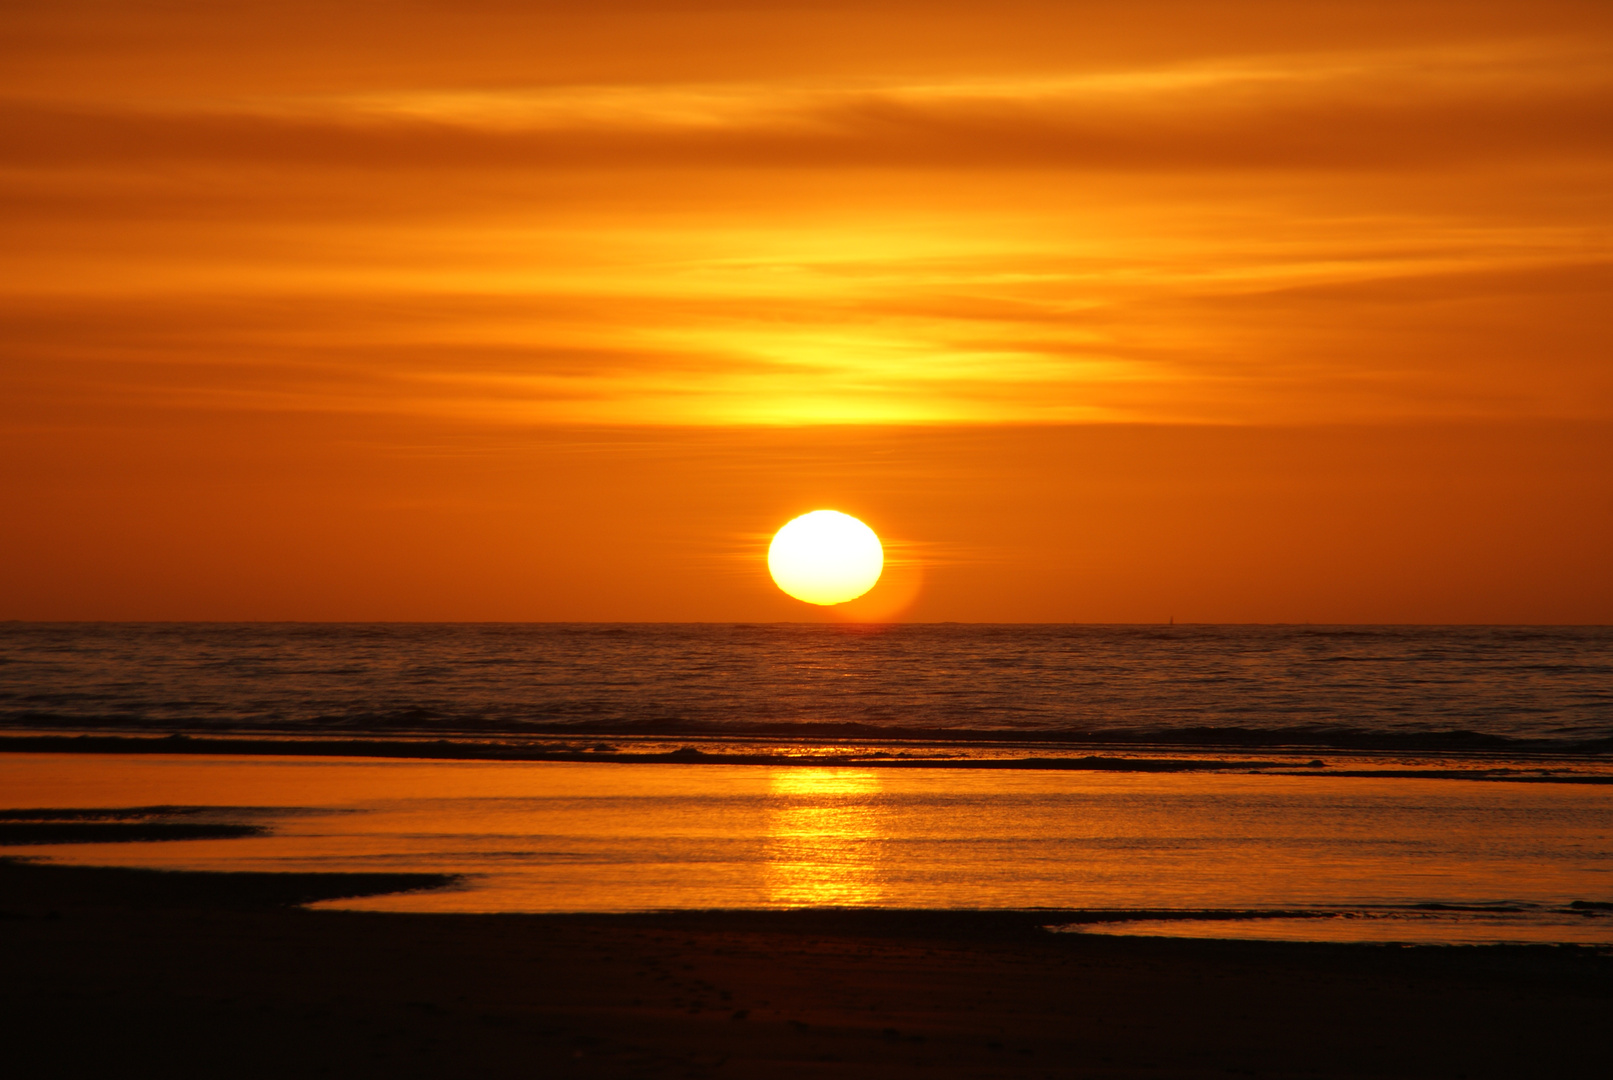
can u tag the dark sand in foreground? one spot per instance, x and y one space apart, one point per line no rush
119 972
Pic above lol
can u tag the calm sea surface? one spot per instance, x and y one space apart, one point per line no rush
1358 688
1315 856
1373 840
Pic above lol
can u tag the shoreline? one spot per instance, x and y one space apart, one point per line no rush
26 875
202 974
1372 854
1524 768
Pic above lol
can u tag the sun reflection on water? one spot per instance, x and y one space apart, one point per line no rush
825 843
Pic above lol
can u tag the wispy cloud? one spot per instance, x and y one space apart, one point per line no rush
1395 216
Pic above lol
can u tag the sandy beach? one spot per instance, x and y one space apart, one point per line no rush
120 971
806 541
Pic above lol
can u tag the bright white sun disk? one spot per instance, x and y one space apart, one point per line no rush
825 557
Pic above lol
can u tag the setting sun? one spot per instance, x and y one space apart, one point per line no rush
825 557
398 400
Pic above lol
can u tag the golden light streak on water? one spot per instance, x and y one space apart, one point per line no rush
824 842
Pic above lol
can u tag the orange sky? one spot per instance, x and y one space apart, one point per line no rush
1116 312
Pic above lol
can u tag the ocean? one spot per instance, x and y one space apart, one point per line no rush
1336 783
1523 690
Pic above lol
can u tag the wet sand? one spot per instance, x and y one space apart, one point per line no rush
112 972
